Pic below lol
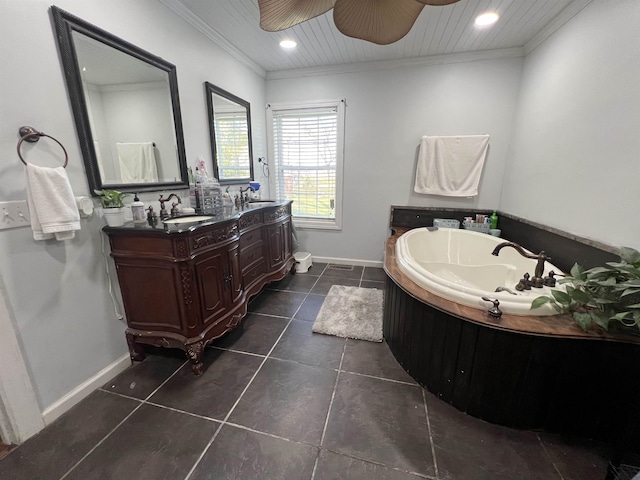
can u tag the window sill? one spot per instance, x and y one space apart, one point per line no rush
309 224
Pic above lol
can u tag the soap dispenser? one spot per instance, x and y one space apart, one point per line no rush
137 210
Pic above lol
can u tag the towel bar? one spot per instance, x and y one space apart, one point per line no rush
32 135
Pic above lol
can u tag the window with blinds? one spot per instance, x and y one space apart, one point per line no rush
306 147
232 144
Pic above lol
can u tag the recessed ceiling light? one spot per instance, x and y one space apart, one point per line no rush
486 19
288 44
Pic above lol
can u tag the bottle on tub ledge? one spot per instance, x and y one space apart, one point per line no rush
494 230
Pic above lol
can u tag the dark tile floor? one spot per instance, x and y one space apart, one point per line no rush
277 401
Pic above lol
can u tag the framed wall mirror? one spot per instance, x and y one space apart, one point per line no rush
230 132
126 109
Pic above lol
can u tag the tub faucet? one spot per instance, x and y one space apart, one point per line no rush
536 281
174 206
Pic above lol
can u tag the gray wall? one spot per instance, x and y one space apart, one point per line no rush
574 162
57 291
387 113
564 125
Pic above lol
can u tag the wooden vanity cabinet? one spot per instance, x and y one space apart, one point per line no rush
183 289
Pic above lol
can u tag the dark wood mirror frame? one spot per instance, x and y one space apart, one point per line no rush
65 24
210 91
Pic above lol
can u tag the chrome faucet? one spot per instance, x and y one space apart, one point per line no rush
174 206
536 281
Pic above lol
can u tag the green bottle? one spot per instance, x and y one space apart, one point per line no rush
494 220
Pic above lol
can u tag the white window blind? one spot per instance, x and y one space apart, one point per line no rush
306 147
232 142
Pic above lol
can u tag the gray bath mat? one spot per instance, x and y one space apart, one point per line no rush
351 312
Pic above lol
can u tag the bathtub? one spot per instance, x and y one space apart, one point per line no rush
458 265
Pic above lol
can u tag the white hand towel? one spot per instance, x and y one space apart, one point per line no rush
137 162
451 166
52 206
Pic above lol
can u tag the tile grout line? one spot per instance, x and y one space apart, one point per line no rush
379 378
326 420
224 421
101 441
118 394
269 314
240 352
142 402
373 462
544 449
433 447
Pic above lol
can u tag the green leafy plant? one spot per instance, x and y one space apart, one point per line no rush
601 295
112 198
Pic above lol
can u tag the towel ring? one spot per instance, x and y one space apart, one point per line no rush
32 135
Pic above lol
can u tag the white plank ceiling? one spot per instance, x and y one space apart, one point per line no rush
438 31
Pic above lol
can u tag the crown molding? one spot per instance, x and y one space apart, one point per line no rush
554 25
397 63
181 10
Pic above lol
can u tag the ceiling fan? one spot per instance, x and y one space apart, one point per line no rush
376 21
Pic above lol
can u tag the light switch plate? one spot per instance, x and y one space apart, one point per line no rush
14 214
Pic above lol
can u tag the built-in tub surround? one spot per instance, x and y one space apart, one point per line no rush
523 371
519 371
459 266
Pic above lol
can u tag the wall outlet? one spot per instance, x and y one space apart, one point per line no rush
14 214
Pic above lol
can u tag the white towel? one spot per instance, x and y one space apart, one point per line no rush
52 206
137 162
451 166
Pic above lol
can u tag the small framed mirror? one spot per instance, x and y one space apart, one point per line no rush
230 132
126 109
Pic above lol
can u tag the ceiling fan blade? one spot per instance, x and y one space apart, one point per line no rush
376 21
438 3
276 15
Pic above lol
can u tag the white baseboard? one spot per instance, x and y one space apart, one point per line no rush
55 410
348 261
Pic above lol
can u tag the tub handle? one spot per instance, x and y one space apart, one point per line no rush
494 311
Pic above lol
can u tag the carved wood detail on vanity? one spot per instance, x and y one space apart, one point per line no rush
215 236
190 297
181 248
185 276
277 214
249 220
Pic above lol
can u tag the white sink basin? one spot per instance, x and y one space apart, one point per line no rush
193 219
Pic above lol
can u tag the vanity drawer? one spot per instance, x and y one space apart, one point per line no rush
248 239
253 273
251 255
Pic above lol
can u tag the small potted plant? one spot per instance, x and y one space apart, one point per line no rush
113 206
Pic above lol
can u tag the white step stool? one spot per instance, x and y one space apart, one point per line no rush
303 261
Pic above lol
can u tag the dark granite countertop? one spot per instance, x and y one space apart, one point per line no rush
226 215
